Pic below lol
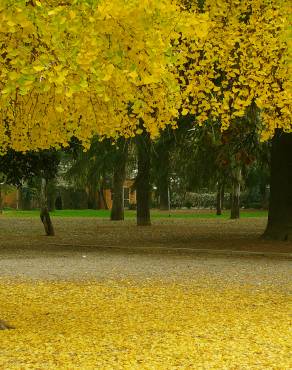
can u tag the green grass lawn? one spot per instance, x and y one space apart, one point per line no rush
132 214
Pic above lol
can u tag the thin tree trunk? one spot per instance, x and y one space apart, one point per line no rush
143 180
279 225
44 214
219 198
117 211
235 195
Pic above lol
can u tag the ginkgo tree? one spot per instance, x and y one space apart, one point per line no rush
246 62
89 67
93 67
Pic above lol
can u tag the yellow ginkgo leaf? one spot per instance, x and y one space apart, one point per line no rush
38 68
59 109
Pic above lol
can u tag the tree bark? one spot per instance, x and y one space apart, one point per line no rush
235 195
279 225
44 214
219 199
142 182
117 211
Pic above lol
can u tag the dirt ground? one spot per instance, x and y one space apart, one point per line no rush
91 248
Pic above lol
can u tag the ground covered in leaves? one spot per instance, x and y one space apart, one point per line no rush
150 325
104 295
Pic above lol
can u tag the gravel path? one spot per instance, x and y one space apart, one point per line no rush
120 265
88 249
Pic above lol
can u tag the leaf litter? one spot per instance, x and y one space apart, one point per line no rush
138 310
128 324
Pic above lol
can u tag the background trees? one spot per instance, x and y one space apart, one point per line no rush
138 67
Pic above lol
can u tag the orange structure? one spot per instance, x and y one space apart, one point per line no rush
129 195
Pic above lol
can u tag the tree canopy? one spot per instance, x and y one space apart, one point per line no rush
89 67
81 68
243 63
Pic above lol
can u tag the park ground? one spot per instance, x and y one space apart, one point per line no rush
111 295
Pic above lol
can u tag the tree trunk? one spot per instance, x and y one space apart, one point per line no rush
219 199
117 211
142 182
44 214
280 207
163 179
235 195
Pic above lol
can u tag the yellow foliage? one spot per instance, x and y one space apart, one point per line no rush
93 60
153 325
96 59
247 53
